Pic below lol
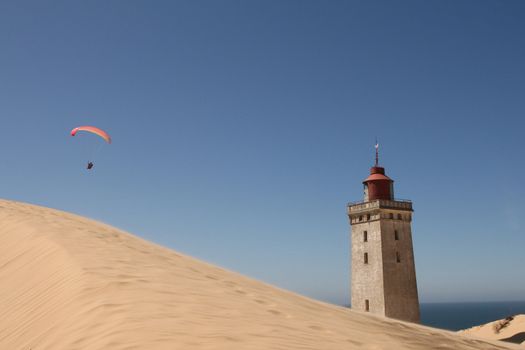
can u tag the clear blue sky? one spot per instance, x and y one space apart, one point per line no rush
242 128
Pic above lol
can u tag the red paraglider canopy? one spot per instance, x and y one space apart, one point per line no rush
93 130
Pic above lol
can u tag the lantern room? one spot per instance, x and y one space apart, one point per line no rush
378 185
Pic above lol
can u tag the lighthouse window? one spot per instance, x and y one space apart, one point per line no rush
399 216
367 305
360 217
366 258
391 215
365 236
396 235
398 257
368 216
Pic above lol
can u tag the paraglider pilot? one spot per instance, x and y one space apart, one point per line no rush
90 165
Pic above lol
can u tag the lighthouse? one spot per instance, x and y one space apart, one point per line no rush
383 269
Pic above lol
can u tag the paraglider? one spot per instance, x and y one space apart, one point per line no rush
94 130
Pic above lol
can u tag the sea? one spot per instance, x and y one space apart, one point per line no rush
456 316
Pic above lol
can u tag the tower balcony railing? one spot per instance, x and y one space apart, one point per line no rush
397 203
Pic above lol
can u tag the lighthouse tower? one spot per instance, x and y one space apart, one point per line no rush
383 269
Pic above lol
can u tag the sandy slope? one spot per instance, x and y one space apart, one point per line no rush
513 331
67 282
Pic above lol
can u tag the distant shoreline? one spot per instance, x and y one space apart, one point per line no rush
460 315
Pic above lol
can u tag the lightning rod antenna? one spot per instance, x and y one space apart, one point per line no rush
377 152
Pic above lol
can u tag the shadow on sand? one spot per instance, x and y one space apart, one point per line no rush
517 338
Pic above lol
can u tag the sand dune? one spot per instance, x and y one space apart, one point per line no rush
511 329
72 283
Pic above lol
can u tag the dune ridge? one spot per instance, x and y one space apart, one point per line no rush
68 282
511 329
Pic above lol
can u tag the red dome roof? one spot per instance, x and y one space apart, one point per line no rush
375 177
377 173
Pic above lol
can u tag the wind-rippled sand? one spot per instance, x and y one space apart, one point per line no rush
69 283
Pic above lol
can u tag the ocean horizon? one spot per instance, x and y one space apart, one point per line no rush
455 316
461 315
